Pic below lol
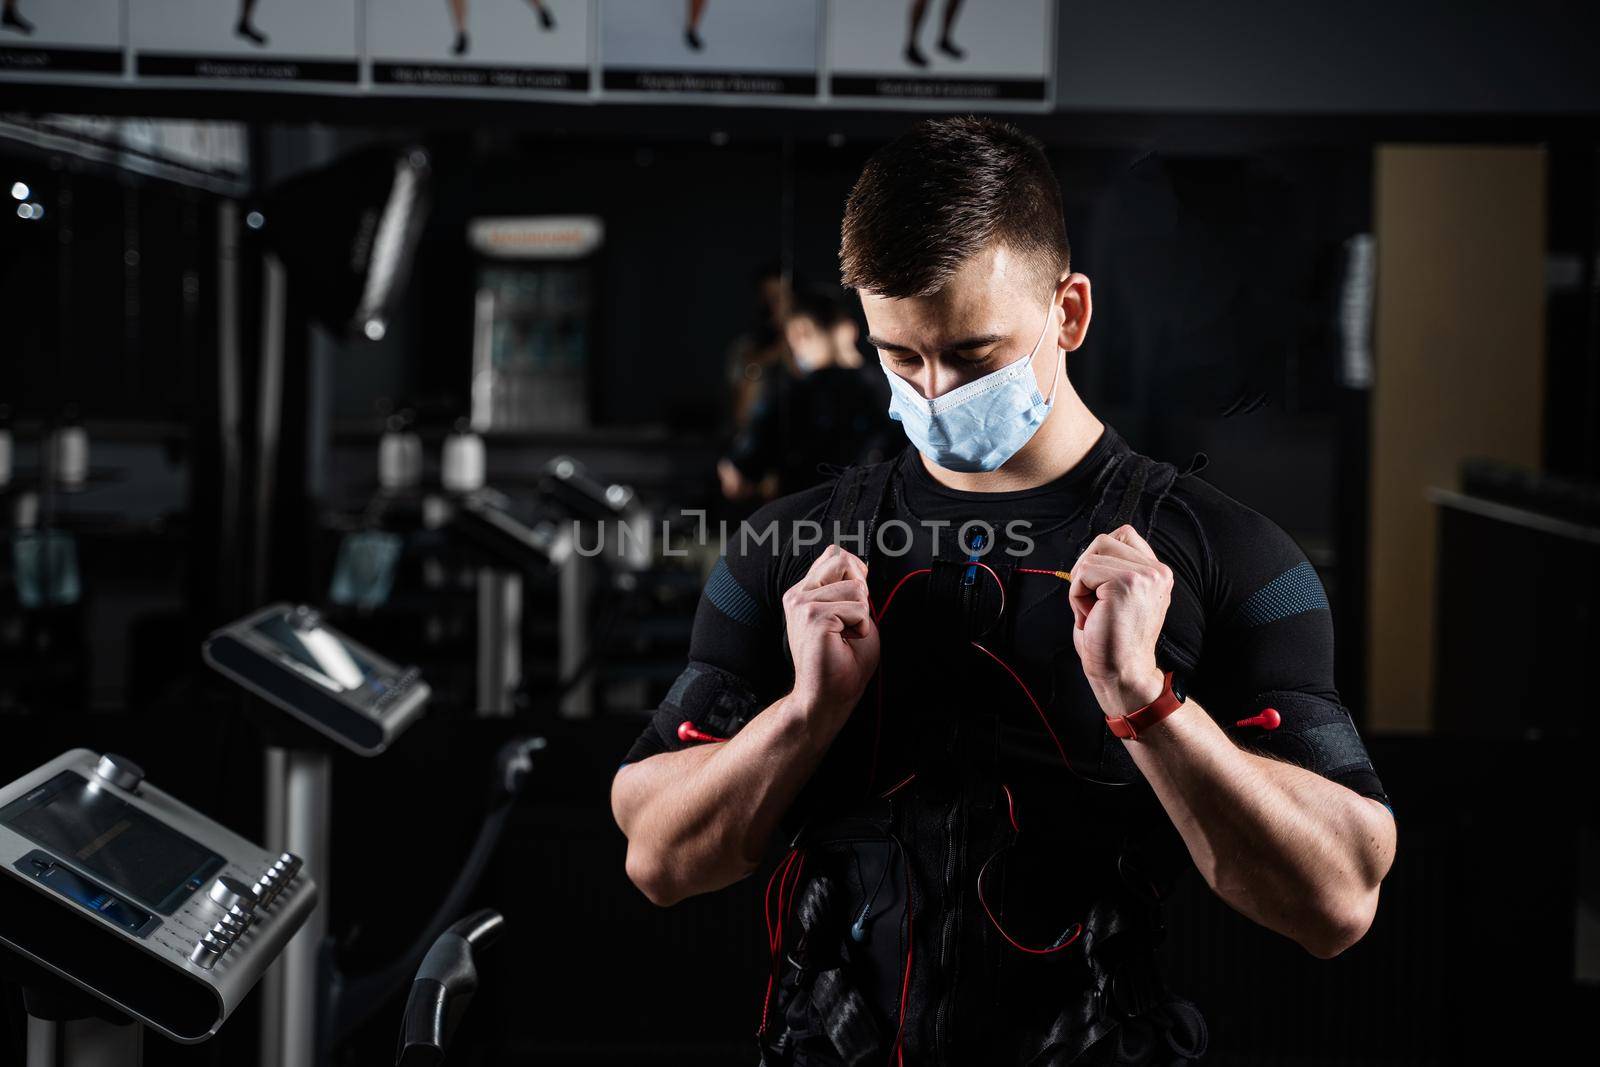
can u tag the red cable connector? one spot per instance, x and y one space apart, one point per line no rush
1268 719
687 732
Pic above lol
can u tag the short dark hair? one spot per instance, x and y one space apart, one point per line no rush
943 191
820 307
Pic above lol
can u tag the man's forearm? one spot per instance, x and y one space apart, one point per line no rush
701 818
1284 846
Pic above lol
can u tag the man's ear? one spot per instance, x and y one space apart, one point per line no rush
1073 293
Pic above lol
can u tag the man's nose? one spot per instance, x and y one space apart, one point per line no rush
935 379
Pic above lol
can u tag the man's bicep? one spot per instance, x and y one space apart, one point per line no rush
736 666
1273 649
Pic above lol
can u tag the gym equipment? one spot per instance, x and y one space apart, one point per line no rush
286 655
443 988
353 265
352 698
518 540
117 889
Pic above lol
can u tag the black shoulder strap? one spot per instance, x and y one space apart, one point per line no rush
1131 492
850 518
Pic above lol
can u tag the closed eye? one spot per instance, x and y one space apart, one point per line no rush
976 358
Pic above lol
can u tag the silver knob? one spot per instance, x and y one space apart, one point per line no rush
120 771
288 863
231 893
235 925
207 951
225 933
267 887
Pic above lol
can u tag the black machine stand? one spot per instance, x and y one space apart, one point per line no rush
351 698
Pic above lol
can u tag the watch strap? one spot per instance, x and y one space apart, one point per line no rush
1130 726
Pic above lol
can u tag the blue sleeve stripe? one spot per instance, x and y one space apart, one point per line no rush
730 598
1296 590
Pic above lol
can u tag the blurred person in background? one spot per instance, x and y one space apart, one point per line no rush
829 411
761 352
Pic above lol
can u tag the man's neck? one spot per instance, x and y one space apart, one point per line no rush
1068 433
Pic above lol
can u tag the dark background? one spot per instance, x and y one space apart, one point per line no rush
1213 163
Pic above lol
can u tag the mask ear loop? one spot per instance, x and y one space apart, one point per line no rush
1061 360
1061 368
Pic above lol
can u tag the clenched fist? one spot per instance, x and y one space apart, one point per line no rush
1119 597
832 638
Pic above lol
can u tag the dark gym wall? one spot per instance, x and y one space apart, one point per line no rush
1466 57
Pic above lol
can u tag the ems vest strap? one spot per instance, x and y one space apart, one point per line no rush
1130 493
850 517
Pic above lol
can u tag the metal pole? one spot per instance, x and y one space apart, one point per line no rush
499 640
573 634
299 797
84 1043
44 1039
229 405
269 416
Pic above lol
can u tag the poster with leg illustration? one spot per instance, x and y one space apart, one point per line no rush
710 48
264 44
50 40
479 45
997 54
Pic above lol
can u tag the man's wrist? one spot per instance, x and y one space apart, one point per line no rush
1132 692
813 716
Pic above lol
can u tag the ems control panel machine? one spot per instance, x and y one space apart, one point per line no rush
290 657
139 899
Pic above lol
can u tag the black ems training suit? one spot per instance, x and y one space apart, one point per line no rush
975 872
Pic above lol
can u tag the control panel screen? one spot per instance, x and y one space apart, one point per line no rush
325 657
41 866
93 828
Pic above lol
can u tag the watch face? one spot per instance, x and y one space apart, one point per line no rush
1178 689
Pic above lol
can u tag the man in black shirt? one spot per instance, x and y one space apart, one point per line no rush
997 694
828 412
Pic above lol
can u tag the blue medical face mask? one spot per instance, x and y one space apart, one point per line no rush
980 425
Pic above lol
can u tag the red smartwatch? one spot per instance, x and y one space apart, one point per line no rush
1130 726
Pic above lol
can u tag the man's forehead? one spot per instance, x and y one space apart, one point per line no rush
989 290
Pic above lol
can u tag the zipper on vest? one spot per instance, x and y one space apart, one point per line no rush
971 575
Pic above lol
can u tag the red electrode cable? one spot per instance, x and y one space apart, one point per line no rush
998 583
904 579
893 789
1011 813
1011 808
775 930
905 982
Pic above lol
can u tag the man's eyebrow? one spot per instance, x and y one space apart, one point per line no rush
963 345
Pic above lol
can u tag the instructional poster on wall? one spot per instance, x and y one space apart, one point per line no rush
997 53
737 48
540 45
45 38
287 44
